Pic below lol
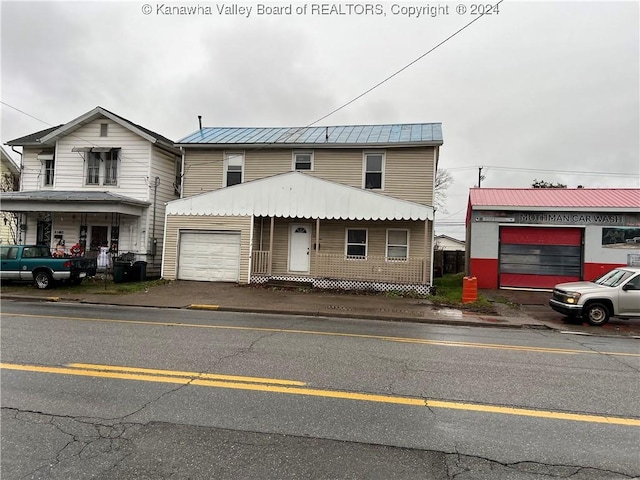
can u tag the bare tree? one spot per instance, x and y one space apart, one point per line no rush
443 181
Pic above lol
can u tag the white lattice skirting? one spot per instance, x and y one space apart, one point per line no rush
337 284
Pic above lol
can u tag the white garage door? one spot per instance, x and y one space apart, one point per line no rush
209 256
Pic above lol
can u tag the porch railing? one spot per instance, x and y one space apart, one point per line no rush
260 262
371 268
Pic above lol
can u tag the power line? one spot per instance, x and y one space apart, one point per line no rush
398 71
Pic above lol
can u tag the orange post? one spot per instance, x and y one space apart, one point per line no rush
469 289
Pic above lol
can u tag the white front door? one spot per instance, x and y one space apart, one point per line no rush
299 243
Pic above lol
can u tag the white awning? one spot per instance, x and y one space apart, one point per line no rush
298 195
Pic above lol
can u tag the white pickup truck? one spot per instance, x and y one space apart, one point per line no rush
614 294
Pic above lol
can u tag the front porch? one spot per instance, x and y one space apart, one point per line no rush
329 261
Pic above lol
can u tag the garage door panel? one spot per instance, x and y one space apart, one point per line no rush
539 257
209 256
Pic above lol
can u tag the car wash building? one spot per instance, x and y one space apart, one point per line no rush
538 237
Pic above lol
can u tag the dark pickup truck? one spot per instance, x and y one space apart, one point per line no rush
34 263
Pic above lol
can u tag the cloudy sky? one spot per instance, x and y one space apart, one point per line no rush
533 90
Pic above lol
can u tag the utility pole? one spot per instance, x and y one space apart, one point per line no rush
480 177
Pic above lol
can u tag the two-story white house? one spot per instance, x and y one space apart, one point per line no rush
97 181
9 182
335 207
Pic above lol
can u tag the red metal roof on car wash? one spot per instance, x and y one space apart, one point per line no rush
563 198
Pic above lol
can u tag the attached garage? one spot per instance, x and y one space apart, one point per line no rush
209 256
539 257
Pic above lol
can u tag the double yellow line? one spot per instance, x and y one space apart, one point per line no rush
292 387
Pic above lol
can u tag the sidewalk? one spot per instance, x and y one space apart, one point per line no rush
529 311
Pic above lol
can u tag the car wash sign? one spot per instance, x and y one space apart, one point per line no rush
570 218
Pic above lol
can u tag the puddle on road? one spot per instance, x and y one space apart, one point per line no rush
449 313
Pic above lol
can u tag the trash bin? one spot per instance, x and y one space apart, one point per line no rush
139 271
121 271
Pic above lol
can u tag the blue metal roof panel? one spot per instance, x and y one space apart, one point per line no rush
345 134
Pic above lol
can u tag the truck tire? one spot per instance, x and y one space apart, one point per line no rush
596 314
43 280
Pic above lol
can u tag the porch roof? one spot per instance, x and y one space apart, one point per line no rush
70 201
298 195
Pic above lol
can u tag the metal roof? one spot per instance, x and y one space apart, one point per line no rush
578 198
298 195
368 135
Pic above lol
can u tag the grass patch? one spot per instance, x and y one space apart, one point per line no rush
449 294
100 285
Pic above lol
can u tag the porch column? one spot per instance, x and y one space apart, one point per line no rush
271 244
426 244
317 243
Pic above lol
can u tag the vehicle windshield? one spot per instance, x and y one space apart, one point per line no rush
613 278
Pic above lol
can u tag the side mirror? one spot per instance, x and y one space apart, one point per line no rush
629 286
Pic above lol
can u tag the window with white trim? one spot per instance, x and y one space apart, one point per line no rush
48 167
356 243
373 170
102 166
233 168
397 244
303 160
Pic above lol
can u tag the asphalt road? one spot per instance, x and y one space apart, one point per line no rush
115 392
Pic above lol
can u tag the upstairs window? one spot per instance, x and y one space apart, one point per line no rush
111 168
234 163
104 129
397 244
303 160
93 169
373 170
102 166
356 244
48 162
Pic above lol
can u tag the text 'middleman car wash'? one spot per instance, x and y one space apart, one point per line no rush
539 237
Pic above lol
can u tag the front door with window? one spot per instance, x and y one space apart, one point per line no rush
299 244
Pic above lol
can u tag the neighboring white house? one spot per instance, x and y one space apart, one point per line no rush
9 181
449 254
448 244
99 180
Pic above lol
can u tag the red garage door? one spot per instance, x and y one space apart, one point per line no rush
539 257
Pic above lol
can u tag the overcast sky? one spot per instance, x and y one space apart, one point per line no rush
535 90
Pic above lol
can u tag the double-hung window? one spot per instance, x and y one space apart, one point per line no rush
47 159
234 166
397 244
93 169
111 168
303 160
102 166
373 170
356 243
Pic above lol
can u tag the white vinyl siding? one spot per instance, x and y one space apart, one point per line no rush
133 165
